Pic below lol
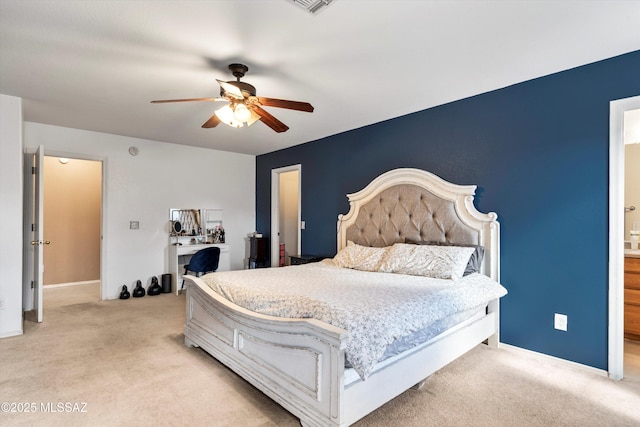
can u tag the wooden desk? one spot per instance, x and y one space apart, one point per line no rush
179 255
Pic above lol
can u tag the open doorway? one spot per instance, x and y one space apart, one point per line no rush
72 224
616 354
70 197
285 213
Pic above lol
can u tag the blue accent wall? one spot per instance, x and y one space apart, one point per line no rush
538 152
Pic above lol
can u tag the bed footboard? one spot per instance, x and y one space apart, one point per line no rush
299 363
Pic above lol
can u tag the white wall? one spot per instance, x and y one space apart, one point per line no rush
144 187
10 215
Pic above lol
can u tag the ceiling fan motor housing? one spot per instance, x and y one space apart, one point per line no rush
244 87
238 71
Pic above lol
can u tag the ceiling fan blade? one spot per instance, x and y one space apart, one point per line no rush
231 90
269 120
284 103
212 122
187 100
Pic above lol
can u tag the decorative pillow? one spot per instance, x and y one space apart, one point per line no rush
475 262
360 257
440 262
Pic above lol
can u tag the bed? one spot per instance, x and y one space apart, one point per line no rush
303 363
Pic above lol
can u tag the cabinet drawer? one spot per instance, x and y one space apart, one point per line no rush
631 280
632 264
632 296
631 319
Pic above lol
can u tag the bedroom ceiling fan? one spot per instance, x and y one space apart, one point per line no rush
244 107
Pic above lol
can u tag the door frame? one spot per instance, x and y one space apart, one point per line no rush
103 219
616 233
37 171
275 210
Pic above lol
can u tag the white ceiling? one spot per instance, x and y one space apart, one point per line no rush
97 64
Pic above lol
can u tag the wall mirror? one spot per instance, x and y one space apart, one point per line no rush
185 222
201 225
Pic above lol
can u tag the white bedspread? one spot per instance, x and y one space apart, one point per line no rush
375 308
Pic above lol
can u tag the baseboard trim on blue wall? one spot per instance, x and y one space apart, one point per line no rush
543 356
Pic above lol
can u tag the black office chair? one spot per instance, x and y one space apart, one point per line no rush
204 261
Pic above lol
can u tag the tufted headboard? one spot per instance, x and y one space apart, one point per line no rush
417 205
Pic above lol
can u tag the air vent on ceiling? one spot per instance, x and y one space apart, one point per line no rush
312 6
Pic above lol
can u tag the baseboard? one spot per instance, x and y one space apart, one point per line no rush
580 366
11 334
62 285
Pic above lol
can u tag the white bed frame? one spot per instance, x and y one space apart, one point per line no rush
299 363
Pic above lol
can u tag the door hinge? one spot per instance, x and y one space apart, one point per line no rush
34 170
33 285
33 227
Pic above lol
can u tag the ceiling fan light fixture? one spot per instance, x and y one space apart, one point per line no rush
241 113
253 117
226 116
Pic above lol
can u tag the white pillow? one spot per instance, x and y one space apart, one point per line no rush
360 257
440 262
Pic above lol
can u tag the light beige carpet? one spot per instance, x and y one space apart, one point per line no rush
126 360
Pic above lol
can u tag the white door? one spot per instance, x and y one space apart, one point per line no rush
38 231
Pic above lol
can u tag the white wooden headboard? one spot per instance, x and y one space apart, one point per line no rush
413 204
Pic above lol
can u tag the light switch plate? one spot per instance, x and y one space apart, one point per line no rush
134 225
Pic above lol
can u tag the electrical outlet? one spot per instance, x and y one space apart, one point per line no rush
560 322
134 225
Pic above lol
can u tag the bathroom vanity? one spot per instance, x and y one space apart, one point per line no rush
632 294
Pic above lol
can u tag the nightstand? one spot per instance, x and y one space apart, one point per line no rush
305 259
257 252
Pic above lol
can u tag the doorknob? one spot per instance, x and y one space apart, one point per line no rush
46 242
34 242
